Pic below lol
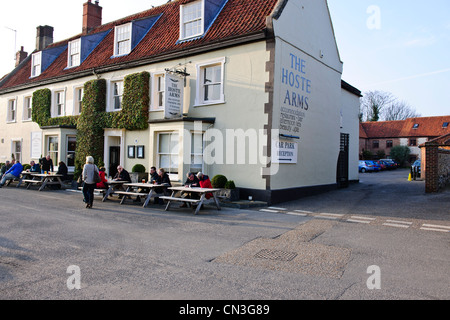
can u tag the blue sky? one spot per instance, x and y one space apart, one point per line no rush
407 53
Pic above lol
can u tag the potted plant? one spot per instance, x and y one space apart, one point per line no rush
231 192
138 173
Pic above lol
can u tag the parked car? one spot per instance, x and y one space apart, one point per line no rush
367 166
391 164
381 164
376 166
416 166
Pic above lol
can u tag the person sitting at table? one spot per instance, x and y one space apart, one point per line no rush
205 182
13 173
5 167
35 167
122 175
191 182
153 175
102 184
162 178
46 164
63 170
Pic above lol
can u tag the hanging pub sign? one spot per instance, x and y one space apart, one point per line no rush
174 89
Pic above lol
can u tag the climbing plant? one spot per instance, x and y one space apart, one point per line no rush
94 119
90 139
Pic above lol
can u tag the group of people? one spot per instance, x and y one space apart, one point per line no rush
12 170
90 171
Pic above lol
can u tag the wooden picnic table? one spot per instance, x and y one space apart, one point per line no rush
199 202
146 190
43 179
114 186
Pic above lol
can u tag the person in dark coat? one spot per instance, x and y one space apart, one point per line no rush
153 175
191 182
62 169
122 175
162 178
46 164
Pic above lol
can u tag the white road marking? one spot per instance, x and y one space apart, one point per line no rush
268 210
434 229
303 211
275 208
297 214
396 225
363 218
358 221
398 221
436 226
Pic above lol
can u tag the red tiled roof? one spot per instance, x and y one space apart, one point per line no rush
427 127
238 18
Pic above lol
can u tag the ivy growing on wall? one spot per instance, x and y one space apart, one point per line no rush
90 139
41 111
94 119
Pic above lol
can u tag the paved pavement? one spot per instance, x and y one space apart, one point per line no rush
321 247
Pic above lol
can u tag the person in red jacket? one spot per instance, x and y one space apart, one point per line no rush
102 184
205 182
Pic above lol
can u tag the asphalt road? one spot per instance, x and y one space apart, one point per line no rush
321 247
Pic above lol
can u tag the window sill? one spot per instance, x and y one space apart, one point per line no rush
11 121
212 103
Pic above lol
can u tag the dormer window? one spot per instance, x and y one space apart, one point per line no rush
36 61
445 125
74 53
122 40
191 20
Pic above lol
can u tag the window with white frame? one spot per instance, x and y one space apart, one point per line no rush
78 99
17 150
74 53
12 110
196 152
71 148
59 104
158 92
36 64
122 39
52 148
210 83
27 108
191 20
117 93
168 152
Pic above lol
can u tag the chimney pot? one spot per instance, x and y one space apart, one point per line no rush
20 56
92 16
44 37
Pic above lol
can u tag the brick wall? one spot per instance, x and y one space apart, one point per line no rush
437 167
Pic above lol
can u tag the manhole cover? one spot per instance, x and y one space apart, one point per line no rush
275 255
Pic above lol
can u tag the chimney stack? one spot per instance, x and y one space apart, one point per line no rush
44 37
92 16
20 56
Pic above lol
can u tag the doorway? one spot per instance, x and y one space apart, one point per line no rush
342 166
114 160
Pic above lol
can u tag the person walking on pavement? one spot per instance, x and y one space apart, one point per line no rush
89 171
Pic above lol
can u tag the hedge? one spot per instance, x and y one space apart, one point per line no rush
94 119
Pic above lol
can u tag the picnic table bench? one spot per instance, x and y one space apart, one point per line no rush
43 179
199 202
146 190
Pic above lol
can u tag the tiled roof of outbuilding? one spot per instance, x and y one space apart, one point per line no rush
425 127
238 18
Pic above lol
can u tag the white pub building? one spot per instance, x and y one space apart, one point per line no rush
250 89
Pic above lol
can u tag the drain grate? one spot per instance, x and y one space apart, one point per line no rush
275 255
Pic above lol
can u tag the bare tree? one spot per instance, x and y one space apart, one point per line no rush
373 103
399 110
